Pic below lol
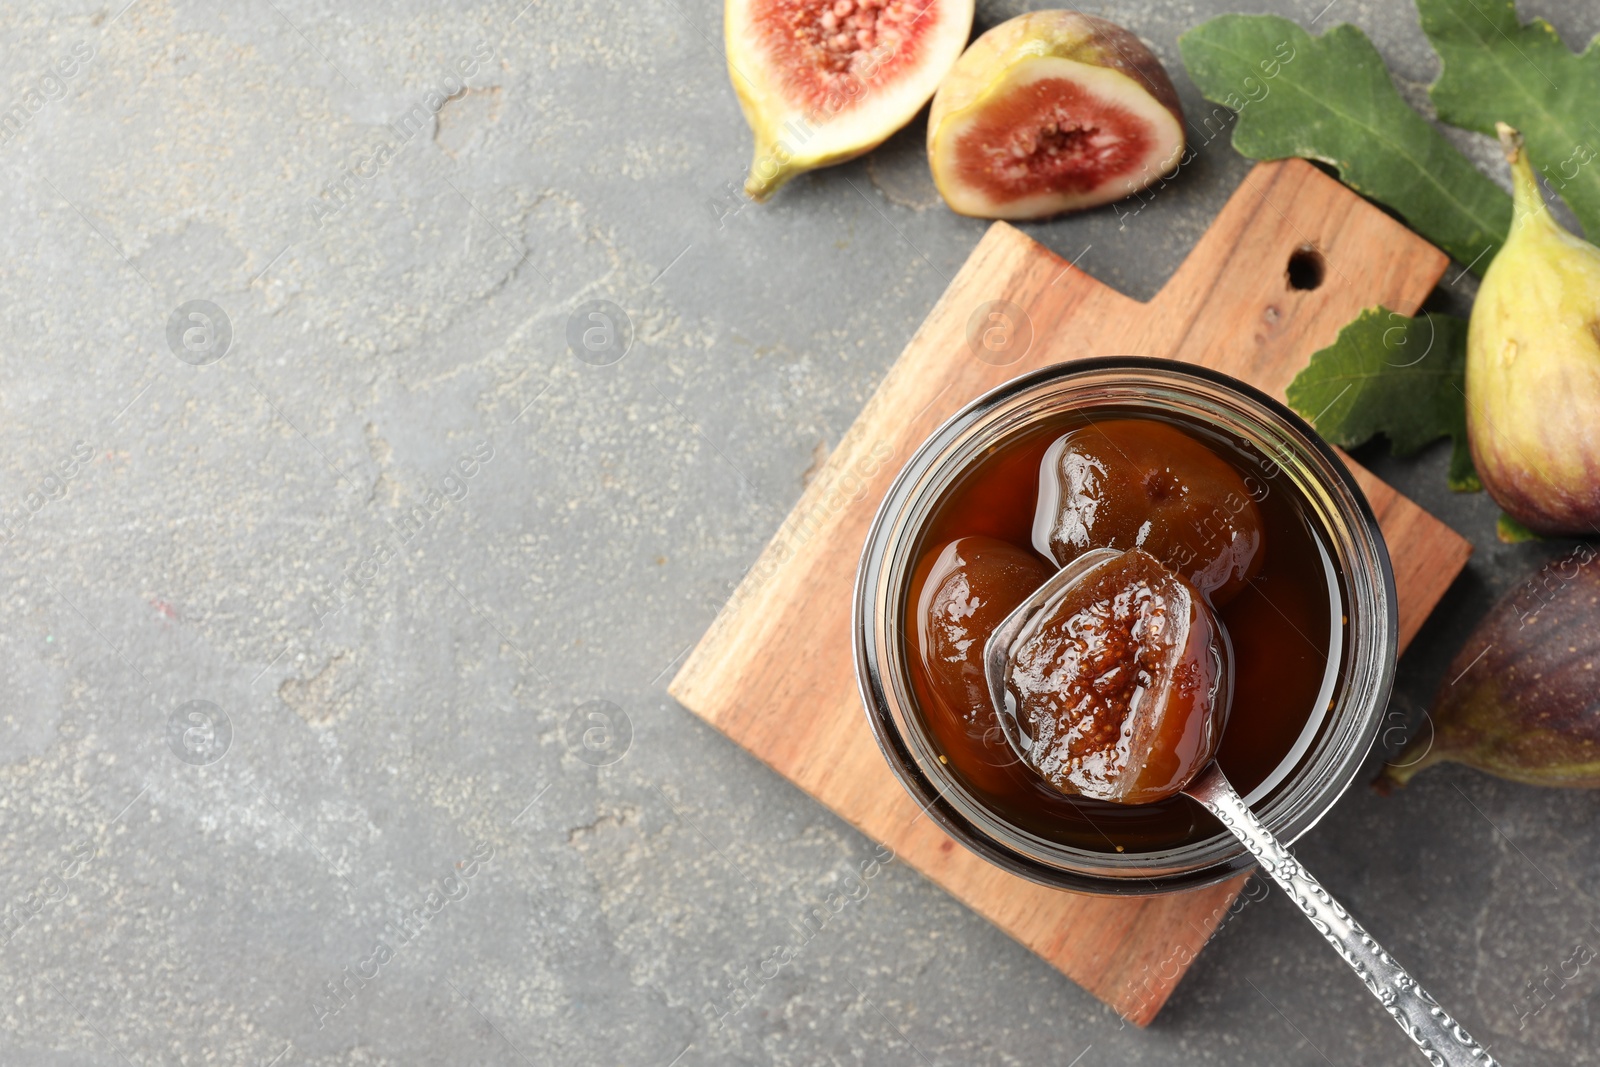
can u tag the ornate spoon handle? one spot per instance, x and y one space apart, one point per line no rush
1441 1038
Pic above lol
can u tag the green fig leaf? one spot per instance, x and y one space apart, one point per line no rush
1495 69
1330 98
1390 374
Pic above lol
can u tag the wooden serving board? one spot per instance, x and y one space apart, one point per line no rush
775 673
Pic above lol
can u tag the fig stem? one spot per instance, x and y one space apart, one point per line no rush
1510 141
770 169
1398 776
1526 197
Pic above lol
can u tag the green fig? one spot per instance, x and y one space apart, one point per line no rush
1533 367
1522 698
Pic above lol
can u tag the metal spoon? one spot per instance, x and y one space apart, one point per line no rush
1441 1038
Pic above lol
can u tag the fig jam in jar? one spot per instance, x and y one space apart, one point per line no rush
1283 626
1311 619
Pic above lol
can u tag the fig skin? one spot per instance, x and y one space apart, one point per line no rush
1095 54
1533 367
863 107
1528 708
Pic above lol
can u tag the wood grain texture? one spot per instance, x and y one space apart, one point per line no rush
774 672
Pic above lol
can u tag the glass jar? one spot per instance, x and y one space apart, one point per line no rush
1360 659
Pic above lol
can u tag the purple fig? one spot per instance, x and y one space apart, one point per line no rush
1522 698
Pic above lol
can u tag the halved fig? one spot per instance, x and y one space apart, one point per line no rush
1121 682
1049 112
822 81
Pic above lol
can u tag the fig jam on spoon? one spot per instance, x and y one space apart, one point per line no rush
1111 681
1109 687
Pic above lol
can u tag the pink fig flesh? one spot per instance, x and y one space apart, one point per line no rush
822 81
1050 112
822 51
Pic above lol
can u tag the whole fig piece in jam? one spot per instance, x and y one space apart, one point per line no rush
1139 483
974 584
1121 683
1052 111
1533 367
1522 698
822 81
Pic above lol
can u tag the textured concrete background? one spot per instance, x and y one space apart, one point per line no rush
399 705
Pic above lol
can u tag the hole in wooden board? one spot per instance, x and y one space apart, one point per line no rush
1306 268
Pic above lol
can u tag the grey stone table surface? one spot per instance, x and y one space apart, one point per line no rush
302 644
